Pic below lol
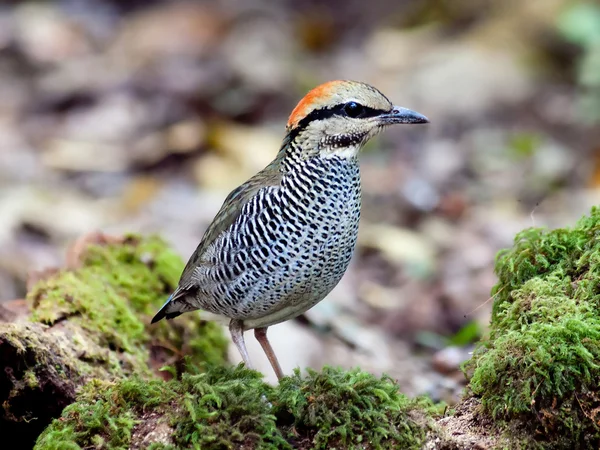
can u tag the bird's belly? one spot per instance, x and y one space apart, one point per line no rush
293 282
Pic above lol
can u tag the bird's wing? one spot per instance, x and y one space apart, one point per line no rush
229 212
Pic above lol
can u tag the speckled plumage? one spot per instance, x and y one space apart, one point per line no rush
286 250
283 240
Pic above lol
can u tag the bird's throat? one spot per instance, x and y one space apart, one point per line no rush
350 152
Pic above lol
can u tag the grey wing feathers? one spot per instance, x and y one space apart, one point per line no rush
227 215
176 304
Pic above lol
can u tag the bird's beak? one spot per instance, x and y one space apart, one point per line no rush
402 115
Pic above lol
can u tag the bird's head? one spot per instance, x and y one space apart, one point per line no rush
337 118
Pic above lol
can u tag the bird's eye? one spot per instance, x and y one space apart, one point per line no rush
353 109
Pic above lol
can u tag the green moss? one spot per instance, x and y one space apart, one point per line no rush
227 408
112 296
30 379
349 409
102 416
540 367
223 408
89 302
230 408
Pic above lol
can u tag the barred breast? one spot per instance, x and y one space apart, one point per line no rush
288 248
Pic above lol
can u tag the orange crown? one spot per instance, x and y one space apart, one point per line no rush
313 100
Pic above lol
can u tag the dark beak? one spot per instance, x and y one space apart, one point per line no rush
402 115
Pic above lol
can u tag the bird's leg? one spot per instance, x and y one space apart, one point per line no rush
261 337
236 328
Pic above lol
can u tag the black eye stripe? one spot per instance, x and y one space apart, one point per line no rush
337 110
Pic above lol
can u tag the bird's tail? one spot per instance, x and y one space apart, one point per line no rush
169 310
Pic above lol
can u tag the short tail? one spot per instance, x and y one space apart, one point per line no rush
167 310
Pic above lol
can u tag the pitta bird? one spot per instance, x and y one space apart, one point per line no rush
283 239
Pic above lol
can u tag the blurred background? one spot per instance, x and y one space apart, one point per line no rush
137 115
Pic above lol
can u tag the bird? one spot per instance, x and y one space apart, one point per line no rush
282 240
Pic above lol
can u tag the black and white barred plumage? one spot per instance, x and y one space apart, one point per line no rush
287 249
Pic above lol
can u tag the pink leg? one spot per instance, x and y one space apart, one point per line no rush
236 328
261 337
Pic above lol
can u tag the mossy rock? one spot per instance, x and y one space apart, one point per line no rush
539 370
232 408
92 322
112 296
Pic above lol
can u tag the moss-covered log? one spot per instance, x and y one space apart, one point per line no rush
90 322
